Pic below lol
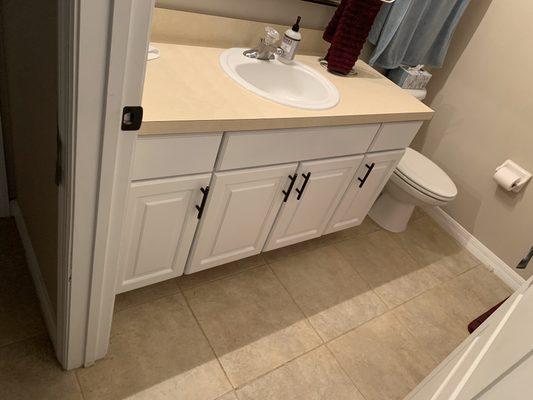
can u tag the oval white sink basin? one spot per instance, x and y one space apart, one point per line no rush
295 85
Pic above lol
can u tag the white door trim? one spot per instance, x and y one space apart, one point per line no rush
96 39
127 63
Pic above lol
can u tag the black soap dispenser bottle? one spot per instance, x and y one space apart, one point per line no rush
289 43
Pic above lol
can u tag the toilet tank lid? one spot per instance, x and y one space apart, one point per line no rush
426 174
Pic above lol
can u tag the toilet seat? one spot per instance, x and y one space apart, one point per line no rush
425 176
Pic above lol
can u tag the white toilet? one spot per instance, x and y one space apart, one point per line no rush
416 181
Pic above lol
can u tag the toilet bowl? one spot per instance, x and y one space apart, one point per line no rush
416 181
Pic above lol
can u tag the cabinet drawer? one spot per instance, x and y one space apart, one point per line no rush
255 148
169 155
395 135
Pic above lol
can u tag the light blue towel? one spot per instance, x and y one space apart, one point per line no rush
412 32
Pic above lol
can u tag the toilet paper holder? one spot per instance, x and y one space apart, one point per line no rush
523 175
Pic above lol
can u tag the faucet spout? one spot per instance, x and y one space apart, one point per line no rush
267 48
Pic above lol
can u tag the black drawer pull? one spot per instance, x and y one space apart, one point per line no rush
525 261
301 190
289 190
363 180
201 207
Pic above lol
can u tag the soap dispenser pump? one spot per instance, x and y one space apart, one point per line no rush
289 44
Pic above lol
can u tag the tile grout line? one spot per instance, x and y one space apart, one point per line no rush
224 276
182 290
148 301
279 366
414 259
360 276
235 388
360 326
208 342
386 312
416 340
344 371
408 329
333 243
296 304
79 385
45 335
265 260
389 310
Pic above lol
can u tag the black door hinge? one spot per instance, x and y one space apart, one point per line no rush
132 118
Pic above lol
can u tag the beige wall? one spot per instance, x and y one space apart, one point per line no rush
182 27
282 12
484 112
29 103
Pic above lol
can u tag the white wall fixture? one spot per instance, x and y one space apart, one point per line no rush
511 176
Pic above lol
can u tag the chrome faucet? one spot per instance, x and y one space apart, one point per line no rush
267 46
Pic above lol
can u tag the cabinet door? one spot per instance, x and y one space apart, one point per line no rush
240 211
310 206
161 219
364 189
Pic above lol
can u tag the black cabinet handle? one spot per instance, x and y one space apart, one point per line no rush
363 180
201 207
301 190
525 261
289 190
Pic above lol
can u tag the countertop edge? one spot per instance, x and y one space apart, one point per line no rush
243 124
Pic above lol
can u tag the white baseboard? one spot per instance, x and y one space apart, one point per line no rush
33 265
478 249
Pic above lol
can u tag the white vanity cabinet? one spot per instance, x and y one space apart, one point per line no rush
366 186
240 211
160 221
197 201
318 188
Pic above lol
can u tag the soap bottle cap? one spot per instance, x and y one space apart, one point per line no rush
296 26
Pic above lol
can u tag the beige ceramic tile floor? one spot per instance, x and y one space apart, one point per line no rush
362 314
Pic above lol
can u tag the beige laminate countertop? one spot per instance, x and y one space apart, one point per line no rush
187 91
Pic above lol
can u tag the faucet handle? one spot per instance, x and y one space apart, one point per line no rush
272 36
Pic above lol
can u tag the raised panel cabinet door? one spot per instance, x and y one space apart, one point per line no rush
161 218
318 190
240 211
364 189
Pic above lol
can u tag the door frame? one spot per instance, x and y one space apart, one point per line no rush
100 71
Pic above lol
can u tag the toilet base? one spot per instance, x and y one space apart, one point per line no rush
390 213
